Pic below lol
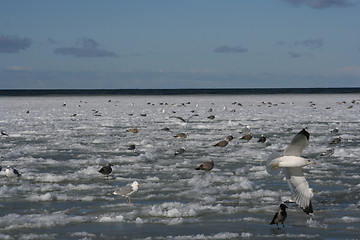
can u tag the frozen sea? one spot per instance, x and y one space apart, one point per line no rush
59 143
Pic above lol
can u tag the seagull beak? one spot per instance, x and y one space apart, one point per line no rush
274 166
313 162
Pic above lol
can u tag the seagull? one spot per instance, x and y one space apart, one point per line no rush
128 190
3 133
180 135
12 172
133 130
328 152
222 143
335 130
179 151
182 119
245 129
229 138
262 139
131 147
106 170
336 140
280 216
291 164
247 137
206 166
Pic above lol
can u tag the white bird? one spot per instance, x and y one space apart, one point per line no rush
12 173
291 163
128 190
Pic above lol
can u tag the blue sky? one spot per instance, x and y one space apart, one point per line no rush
179 44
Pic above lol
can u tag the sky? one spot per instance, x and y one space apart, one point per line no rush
171 44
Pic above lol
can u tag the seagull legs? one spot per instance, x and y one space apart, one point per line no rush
128 200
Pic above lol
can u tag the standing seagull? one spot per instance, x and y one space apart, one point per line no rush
206 166
128 190
291 164
280 216
106 170
12 173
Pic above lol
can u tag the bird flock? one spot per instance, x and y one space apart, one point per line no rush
291 162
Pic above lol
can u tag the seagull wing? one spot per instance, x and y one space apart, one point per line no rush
180 118
299 188
125 191
298 143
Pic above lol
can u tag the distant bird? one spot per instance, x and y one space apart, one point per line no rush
131 147
336 140
222 143
262 139
184 120
179 151
245 129
106 170
335 130
328 152
166 129
180 135
3 133
229 138
12 173
133 130
280 216
289 129
291 163
128 190
212 117
206 166
247 137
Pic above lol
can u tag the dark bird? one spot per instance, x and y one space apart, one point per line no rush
106 170
335 130
3 133
131 147
166 129
229 138
206 166
280 216
179 151
336 140
184 120
247 137
222 143
328 152
211 117
262 139
180 135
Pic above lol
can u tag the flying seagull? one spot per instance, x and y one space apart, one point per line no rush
291 163
206 166
106 170
184 120
128 190
280 216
